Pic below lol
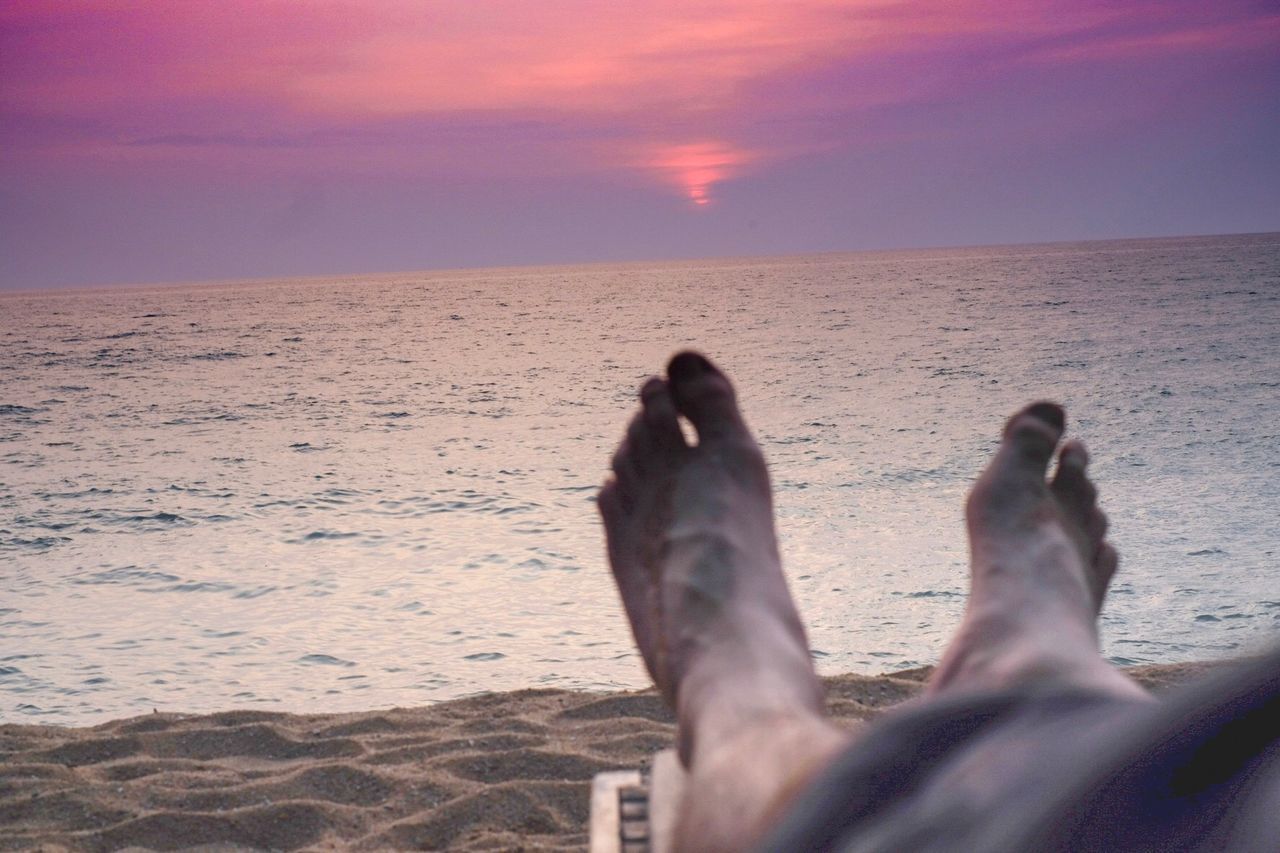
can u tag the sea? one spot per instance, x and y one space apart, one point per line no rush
358 492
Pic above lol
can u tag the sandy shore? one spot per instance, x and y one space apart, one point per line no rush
499 771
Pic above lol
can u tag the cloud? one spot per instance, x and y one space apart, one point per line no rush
688 92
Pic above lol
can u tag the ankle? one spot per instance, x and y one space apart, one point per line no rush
744 781
740 690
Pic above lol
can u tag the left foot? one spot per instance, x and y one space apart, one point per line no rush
1040 566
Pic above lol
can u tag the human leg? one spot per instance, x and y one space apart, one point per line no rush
692 546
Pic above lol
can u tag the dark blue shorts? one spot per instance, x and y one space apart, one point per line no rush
1058 770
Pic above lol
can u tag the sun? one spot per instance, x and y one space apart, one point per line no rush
696 167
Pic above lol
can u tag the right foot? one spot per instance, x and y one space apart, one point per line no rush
1040 566
692 546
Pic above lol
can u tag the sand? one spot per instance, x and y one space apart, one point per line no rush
501 771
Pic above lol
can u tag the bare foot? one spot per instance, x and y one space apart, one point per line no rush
1040 567
692 546
691 538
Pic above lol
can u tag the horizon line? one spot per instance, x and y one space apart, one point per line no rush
319 277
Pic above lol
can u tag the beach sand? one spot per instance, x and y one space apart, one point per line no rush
501 771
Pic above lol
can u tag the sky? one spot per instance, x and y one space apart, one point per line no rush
179 141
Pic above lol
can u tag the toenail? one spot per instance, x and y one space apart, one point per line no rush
1075 457
688 366
1050 413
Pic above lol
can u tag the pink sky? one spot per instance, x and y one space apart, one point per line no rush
145 141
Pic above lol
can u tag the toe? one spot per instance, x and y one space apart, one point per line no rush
705 396
1096 524
640 444
1073 456
1030 437
1107 563
1104 569
1071 484
660 415
625 472
608 504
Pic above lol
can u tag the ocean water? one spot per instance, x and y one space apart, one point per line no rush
360 492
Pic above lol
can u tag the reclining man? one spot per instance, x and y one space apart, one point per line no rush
1025 738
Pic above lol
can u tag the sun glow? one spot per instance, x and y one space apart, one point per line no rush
695 168
687 94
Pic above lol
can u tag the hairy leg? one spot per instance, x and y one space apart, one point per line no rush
1040 568
692 546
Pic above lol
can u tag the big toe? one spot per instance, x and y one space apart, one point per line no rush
1030 437
705 396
